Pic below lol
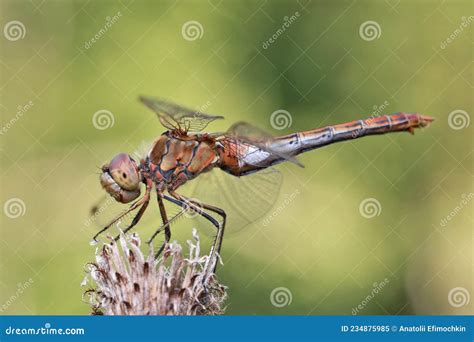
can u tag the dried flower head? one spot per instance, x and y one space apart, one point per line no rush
128 283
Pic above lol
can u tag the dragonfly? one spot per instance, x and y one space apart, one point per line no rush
184 152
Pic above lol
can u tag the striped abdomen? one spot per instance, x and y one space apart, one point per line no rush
297 143
291 145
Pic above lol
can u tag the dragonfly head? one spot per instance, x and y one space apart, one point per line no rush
121 178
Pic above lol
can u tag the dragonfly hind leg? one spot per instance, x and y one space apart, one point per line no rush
165 226
198 207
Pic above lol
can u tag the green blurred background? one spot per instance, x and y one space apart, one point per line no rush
319 248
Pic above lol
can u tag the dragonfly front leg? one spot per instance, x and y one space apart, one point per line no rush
138 216
143 202
216 246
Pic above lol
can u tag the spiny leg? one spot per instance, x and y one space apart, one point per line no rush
220 233
144 200
166 225
185 207
137 218
220 227
162 227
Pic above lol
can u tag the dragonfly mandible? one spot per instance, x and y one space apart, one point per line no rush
183 152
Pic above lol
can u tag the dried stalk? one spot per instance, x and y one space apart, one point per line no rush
128 283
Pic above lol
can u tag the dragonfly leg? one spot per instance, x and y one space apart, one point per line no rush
141 202
166 225
220 233
137 217
216 246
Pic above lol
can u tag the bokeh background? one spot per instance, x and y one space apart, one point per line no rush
325 251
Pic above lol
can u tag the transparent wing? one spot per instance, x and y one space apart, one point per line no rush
244 199
175 117
245 139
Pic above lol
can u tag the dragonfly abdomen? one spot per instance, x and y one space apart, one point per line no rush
245 159
300 142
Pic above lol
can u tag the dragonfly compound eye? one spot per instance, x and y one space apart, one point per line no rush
121 178
124 171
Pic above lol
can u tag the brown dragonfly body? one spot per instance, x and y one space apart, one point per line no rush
178 156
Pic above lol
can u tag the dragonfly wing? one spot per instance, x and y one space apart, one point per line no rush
244 199
173 116
251 136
